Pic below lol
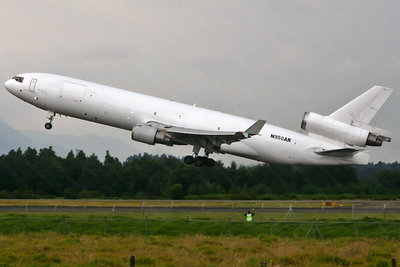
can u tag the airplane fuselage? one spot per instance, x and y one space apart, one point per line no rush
124 109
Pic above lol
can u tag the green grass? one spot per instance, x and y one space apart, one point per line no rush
234 215
53 249
168 203
82 240
373 241
132 224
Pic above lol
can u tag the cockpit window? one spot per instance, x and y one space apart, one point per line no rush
18 79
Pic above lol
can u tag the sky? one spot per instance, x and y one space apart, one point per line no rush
259 59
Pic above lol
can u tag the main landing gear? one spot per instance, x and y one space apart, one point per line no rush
199 161
48 125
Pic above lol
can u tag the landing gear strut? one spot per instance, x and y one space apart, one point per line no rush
48 125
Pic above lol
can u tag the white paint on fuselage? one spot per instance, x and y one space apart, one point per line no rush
123 109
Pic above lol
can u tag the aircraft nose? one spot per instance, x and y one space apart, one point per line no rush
12 86
8 85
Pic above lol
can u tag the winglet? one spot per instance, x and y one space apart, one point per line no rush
256 127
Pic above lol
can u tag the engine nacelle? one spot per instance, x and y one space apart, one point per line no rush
150 135
337 130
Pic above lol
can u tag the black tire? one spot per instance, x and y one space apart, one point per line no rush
188 160
48 126
210 162
199 161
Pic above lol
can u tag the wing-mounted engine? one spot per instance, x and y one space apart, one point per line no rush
150 135
356 134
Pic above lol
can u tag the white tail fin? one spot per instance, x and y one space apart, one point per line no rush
363 108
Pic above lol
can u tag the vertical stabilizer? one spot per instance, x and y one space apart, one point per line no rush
363 108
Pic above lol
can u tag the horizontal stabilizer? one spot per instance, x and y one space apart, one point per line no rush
341 152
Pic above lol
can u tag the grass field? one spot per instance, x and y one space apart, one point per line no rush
209 239
97 224
52 249
234 215
169 203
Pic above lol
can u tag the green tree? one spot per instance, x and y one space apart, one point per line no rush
176 191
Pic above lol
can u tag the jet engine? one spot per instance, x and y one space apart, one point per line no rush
337 130
150 135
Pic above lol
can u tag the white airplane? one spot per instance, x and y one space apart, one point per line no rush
339 138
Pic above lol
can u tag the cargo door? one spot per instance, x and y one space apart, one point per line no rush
72 91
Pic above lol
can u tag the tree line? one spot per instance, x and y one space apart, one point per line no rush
43 174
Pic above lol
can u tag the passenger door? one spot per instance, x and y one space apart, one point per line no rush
32 85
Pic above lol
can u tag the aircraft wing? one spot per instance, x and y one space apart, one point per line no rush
211 140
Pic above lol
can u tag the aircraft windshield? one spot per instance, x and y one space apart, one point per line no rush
18 79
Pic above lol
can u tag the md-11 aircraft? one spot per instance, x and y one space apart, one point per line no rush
340 138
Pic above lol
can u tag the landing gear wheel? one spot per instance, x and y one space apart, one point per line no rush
48 126
188 160
210 162
199 161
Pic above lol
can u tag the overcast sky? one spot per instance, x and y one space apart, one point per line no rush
270 60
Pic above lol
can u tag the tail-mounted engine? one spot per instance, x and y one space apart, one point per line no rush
150 135
358 135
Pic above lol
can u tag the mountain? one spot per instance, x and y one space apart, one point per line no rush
12 139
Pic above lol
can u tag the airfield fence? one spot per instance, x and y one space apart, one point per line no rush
109 226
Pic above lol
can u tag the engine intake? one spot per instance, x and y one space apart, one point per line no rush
337 130
150 135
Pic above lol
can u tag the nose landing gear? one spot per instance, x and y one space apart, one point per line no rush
48 125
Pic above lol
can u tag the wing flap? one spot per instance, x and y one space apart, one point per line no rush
189 131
